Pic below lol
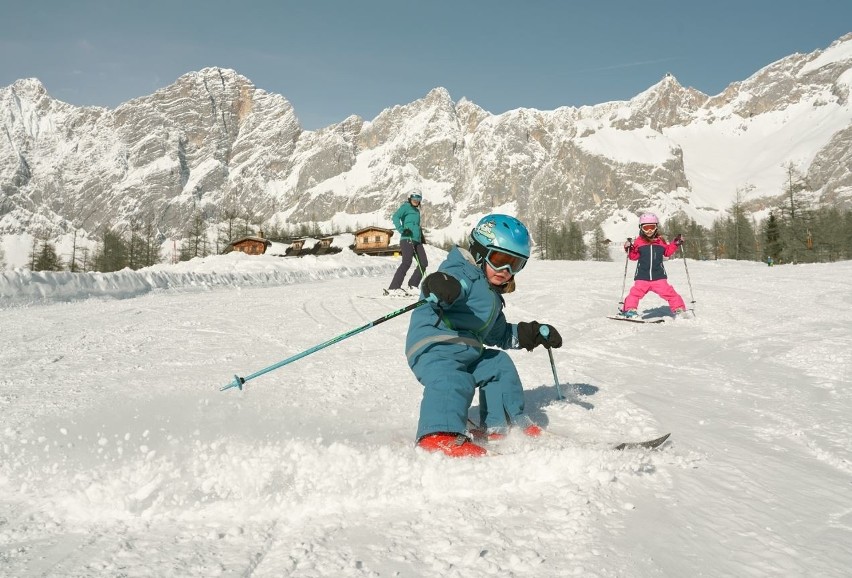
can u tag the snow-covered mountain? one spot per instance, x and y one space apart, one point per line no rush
213 144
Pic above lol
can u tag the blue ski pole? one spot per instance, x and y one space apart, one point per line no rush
240 381
545 332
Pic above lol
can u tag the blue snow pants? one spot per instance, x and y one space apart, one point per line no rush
451 372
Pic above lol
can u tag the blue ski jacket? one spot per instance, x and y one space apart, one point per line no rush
475 318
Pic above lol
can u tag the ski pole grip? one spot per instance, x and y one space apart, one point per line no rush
544 330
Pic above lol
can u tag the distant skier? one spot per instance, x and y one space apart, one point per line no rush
446 343
406 219
650 250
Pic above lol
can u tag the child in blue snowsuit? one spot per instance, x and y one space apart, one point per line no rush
446 343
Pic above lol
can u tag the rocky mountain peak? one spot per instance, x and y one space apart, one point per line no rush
664 104
211 144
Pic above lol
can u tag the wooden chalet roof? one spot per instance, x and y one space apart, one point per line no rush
266 242
382 229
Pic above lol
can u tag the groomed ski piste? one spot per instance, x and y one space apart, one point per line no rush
120 456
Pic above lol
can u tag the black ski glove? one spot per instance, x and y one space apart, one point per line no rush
406 233
628 244
440 287
529 336
678 240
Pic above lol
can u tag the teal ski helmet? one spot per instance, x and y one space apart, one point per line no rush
501 241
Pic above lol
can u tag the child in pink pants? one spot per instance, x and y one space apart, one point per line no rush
649 250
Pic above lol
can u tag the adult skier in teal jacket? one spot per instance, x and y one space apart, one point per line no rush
406 219
451 344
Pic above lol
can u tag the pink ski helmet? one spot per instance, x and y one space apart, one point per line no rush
648 219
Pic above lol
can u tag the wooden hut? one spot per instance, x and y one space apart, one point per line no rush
249 245
296 246
374 241
323 246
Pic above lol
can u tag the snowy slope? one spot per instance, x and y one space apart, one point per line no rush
119 456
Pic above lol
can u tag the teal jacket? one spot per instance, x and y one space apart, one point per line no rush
475 319
407 216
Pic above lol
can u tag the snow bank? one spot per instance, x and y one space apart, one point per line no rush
23 287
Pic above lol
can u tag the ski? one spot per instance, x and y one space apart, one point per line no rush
477 435
386 298
409 297
648 444
491 446
637 319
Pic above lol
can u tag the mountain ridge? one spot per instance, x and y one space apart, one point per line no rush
212 144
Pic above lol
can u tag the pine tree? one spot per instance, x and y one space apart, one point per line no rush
796 183
134 246
2 258
47 259
195 243
230 212
83 259
152 250
111 254
543 236
600 245
72 262
739 234
696 238
558 243
846 250
827 236
772 238
576 247
717 239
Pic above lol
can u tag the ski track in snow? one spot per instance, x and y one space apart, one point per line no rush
120 456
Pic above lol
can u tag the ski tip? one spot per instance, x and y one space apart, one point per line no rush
649 444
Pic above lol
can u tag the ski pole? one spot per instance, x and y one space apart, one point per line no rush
545 332
417 258
624 282
240 381
688 280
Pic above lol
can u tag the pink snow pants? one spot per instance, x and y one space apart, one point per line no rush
660 286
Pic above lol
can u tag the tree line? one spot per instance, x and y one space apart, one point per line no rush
141 244
792 233
137 246
807 236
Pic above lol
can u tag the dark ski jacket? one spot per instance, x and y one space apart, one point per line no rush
650 255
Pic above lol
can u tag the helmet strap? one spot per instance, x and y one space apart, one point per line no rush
479 253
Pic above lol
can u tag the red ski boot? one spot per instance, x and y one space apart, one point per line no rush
533 431
453 445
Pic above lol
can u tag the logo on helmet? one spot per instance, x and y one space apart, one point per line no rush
486 229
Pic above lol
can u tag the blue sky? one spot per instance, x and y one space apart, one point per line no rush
331 59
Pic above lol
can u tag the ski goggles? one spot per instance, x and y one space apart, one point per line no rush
649 228
500 260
